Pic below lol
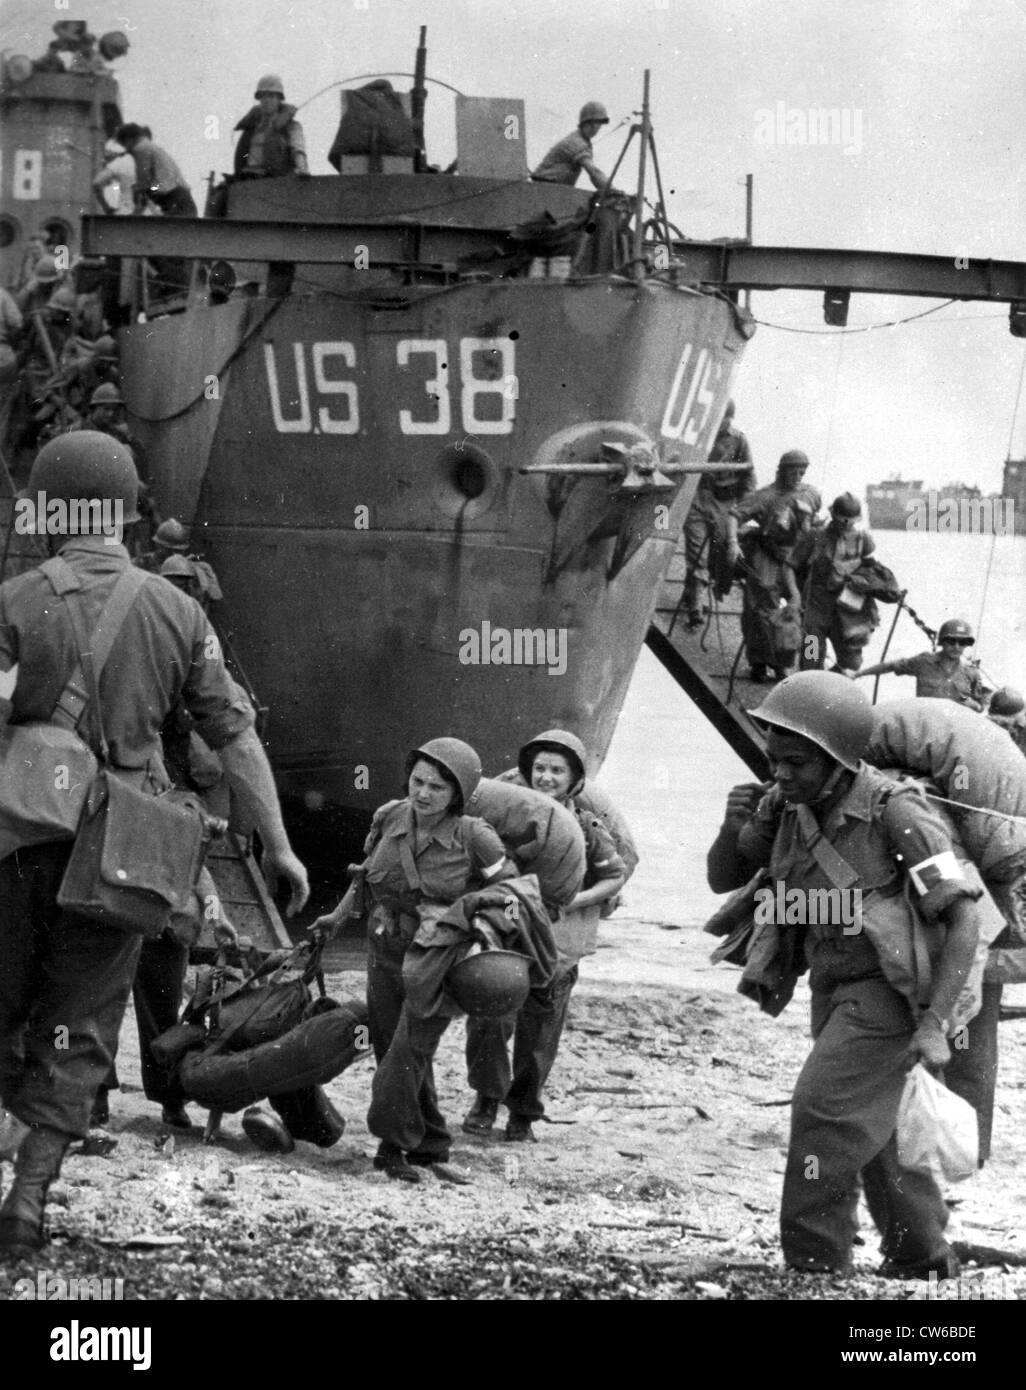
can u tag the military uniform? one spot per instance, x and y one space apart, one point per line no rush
707 523
935 679
538 1027
782 516
827 557
65 981
457 857
845 1103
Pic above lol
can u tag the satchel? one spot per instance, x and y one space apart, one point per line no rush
45 772
136 857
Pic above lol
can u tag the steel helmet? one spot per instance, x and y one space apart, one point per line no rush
1006 703
846 505
490 984
956 627
593 111
45 271
825 708
177 567
172 535
106 346
270 83
63 299
457 759
106 394
794 458
557 741
84 466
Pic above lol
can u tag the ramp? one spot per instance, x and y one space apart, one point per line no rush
708 664
244 896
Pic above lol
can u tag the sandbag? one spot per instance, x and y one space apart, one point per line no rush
598 801
542 836
310 1054
972 762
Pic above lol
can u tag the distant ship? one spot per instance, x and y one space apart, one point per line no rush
902 504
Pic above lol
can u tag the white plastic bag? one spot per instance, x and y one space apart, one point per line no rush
937 1131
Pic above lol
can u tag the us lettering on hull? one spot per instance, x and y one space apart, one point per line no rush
301 375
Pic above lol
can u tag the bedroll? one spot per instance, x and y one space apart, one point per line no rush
542 836
310 1054
972 762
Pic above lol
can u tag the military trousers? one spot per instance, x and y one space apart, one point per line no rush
64 985
404 1104
972 1071
157 993
536 1032
843 1117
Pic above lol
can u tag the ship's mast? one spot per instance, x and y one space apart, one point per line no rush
637 261
417 99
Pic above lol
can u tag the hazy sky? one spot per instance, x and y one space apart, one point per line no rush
931 93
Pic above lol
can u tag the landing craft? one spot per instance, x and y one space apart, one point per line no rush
402 407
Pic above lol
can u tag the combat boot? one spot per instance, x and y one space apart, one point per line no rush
38 1163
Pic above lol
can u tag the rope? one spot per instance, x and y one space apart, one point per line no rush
869 328
1008 454
979 810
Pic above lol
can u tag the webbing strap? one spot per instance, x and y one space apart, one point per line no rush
834 865
83 684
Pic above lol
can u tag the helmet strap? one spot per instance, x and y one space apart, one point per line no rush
830 786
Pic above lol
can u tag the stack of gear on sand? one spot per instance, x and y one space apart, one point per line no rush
253 1031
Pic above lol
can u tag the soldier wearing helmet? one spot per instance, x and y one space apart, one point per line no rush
945 674
566 159
1007 709
826 562
770 523
422 853
272 142
708 527
845 851
65 981
554 763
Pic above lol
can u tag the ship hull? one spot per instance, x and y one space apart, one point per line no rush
389 574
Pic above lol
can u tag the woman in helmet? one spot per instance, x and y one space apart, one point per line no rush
944 674
835 834
421 851
552 763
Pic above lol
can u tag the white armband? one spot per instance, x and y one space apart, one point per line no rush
931 873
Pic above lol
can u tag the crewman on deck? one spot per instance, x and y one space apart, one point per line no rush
566 159
159 180
828 822
944 674
272 142
707 527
